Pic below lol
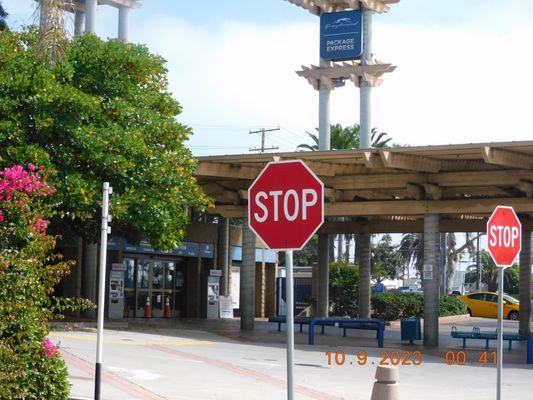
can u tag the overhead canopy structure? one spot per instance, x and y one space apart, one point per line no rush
318 6
393 188
79 5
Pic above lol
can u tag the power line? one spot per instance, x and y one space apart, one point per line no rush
263 133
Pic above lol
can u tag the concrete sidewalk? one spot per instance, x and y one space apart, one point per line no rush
199 359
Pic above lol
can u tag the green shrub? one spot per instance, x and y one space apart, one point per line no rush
451 305
343 289
393 306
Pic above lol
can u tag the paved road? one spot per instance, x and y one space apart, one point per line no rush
202 361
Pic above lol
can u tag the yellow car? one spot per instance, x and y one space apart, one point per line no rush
485 304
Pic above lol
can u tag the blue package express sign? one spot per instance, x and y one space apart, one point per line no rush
341 35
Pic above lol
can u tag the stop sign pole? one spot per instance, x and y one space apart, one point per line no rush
504 233
285 209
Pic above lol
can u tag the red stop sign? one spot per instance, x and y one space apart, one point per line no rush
286 205
504 235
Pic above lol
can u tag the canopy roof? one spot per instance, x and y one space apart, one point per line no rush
79 5
389 190
319 6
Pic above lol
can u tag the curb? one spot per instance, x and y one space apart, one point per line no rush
89 325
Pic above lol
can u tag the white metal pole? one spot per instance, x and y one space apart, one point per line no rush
365 91
499 356
123 23
289 297
324 135
101 288
90 16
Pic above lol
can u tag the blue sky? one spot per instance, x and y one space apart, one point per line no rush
463 69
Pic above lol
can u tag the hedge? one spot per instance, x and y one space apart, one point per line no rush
393 306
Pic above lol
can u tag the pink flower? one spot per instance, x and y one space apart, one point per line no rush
1 216
31 167
49 349
40 225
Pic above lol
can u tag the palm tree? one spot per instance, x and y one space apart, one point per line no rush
52 43
3 15
412 250
346 138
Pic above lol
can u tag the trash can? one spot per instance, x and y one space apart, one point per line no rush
410 329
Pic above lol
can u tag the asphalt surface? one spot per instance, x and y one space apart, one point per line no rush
215 360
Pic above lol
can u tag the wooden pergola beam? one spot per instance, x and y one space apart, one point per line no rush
226 170
410 162
414 207
413 226
506 158
443 179
405 207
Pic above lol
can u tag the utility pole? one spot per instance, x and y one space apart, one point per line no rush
263 133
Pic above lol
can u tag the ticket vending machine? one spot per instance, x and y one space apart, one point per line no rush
213 285
116 291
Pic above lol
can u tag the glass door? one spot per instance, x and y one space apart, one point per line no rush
143 285
158 293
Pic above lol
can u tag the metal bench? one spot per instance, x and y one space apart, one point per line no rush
364 326
476 333
281 319
363 323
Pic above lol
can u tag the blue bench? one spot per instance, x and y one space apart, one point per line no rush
364 326
281 319
476 334
361 323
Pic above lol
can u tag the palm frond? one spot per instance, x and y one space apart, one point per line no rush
52 42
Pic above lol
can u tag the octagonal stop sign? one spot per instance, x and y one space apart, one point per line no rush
504 234
286 205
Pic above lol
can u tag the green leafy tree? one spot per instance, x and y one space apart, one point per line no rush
343 289
3 16
387 260
308 255
346 138
101 113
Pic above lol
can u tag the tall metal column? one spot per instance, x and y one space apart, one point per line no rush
322 304
79 23
90 18
364 244
324 126
247 283
525 284
431 278
123 23
324 144
365 107
223 253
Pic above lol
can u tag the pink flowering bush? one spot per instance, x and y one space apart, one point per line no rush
31 367
49 349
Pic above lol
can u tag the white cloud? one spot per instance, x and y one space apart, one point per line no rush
451 86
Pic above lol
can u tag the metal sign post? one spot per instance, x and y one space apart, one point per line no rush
289 297
105 230
504 234
499 359
285 209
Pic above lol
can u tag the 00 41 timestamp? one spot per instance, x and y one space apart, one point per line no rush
394 357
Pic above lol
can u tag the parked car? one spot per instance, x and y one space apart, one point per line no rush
485 304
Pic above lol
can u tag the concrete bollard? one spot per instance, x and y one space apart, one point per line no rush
386 386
